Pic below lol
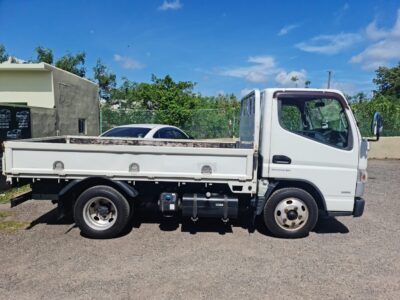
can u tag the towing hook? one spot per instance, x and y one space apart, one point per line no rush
225 220
194 219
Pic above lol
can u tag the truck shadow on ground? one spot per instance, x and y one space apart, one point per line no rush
330 225
52 218
325 224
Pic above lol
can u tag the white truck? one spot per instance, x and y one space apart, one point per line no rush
299 152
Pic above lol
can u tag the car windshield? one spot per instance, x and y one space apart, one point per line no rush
134 132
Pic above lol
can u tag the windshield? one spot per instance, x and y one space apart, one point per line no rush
134 132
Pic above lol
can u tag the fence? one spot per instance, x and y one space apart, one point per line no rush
391 121
218 123
201 123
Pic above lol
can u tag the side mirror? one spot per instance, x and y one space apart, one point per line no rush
376 126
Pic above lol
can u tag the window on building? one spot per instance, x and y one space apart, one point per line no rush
82 126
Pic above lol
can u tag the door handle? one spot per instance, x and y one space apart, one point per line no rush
281 159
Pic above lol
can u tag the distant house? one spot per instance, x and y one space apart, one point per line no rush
60 103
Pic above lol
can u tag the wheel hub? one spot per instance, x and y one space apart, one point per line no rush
100 213
103 211
291 214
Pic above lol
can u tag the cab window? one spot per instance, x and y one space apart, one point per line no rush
322 119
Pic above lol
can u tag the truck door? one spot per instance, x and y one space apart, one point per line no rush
314 139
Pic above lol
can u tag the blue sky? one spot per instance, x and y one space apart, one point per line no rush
224 46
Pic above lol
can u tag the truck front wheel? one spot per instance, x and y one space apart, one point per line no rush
101 212
290 213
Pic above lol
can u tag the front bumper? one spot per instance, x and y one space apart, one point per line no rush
358 209
359 205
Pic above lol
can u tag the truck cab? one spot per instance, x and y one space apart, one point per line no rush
308 142
309 147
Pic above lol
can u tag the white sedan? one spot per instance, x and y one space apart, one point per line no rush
147 131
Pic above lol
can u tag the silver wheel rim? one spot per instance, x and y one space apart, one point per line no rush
291 214
100 213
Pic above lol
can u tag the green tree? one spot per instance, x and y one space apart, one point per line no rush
307 83
361 97
388 106
166 101
294 79
173 101
73 63
386 100
105 79
44 55
3 54
357 98
388 81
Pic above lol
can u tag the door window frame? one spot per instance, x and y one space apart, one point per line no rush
316 95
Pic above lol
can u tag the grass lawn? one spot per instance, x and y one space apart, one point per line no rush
7 224
6 196
6 217
12 225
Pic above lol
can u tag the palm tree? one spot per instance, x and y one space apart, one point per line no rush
307 84
294 79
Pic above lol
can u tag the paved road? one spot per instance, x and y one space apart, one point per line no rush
344 258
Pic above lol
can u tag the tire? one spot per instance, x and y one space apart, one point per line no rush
101 212
290 213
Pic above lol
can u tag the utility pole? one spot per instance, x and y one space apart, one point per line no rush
329 78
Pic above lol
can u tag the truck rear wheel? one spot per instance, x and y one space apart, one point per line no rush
290 213
101 212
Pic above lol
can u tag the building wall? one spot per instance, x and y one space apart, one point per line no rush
43 122
75 98
43 85
31 87
388 147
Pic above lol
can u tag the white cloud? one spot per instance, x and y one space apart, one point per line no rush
263 68
341 13
330 44
378 54
384 50
265 61
285 79
170 5
128 63
374 33
286 29
348 88
258 72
